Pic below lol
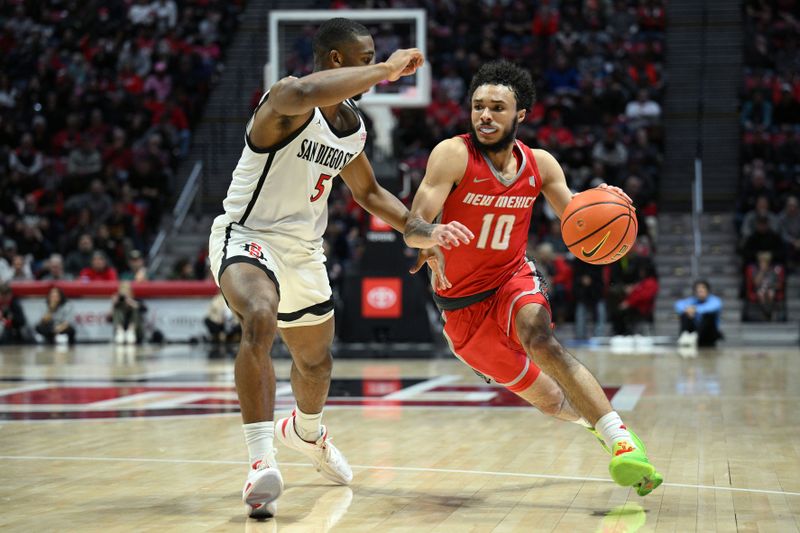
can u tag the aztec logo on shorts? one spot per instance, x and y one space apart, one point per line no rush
255 250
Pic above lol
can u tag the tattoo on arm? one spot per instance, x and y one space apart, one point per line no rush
417 227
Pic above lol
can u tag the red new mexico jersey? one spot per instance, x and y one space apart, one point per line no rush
498 212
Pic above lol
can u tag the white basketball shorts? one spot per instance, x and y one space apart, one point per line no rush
296 267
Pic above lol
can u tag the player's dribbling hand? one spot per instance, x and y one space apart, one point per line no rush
616 190
404 63
435 259
451 234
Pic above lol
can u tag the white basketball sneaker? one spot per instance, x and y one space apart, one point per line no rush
263 486
325 457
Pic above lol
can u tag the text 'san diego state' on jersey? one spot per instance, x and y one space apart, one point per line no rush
498 212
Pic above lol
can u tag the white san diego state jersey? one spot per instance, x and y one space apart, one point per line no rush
285 189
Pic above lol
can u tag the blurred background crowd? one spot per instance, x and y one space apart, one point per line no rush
97 103
767 216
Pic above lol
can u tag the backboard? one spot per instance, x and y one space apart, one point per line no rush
290 50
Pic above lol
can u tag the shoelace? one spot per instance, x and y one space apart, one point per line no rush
336 456
268 462
327 452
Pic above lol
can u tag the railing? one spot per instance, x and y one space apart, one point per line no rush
697 181
179 212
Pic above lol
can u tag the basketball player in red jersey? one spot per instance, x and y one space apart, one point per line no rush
497 317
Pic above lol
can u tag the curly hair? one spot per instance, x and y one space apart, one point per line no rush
335 32
510 75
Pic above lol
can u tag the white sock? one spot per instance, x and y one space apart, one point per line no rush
308 427
258 436
612 429
582 422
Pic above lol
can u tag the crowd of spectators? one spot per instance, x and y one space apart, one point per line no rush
621 295
97 104
57 323
767 215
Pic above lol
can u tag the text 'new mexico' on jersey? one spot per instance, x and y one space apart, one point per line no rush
284 188
498 212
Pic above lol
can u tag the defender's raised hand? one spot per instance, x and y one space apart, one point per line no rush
404 63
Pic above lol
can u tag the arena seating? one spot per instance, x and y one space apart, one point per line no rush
97 104
767 217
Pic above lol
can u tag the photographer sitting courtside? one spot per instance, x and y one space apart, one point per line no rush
127 315
55 326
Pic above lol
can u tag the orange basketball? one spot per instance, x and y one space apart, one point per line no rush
599 226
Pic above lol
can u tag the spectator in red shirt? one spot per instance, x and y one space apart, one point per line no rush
652 16
118 155
129 80
640 301
545 23
644 73
99 270
444 115
558 275
68 138
175 115
554 135
171 117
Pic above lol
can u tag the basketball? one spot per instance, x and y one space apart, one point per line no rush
599 226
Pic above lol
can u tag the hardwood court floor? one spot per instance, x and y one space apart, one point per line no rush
148 439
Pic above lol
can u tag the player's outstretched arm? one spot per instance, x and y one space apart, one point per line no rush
554 183
360 179
297 96
446 165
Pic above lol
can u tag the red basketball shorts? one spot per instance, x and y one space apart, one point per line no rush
483 335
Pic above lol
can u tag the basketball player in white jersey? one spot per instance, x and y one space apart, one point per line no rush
266 249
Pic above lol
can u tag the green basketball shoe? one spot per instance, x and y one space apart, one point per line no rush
644 484
649 483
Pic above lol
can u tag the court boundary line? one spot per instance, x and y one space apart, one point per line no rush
411 391
627 397
389 468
